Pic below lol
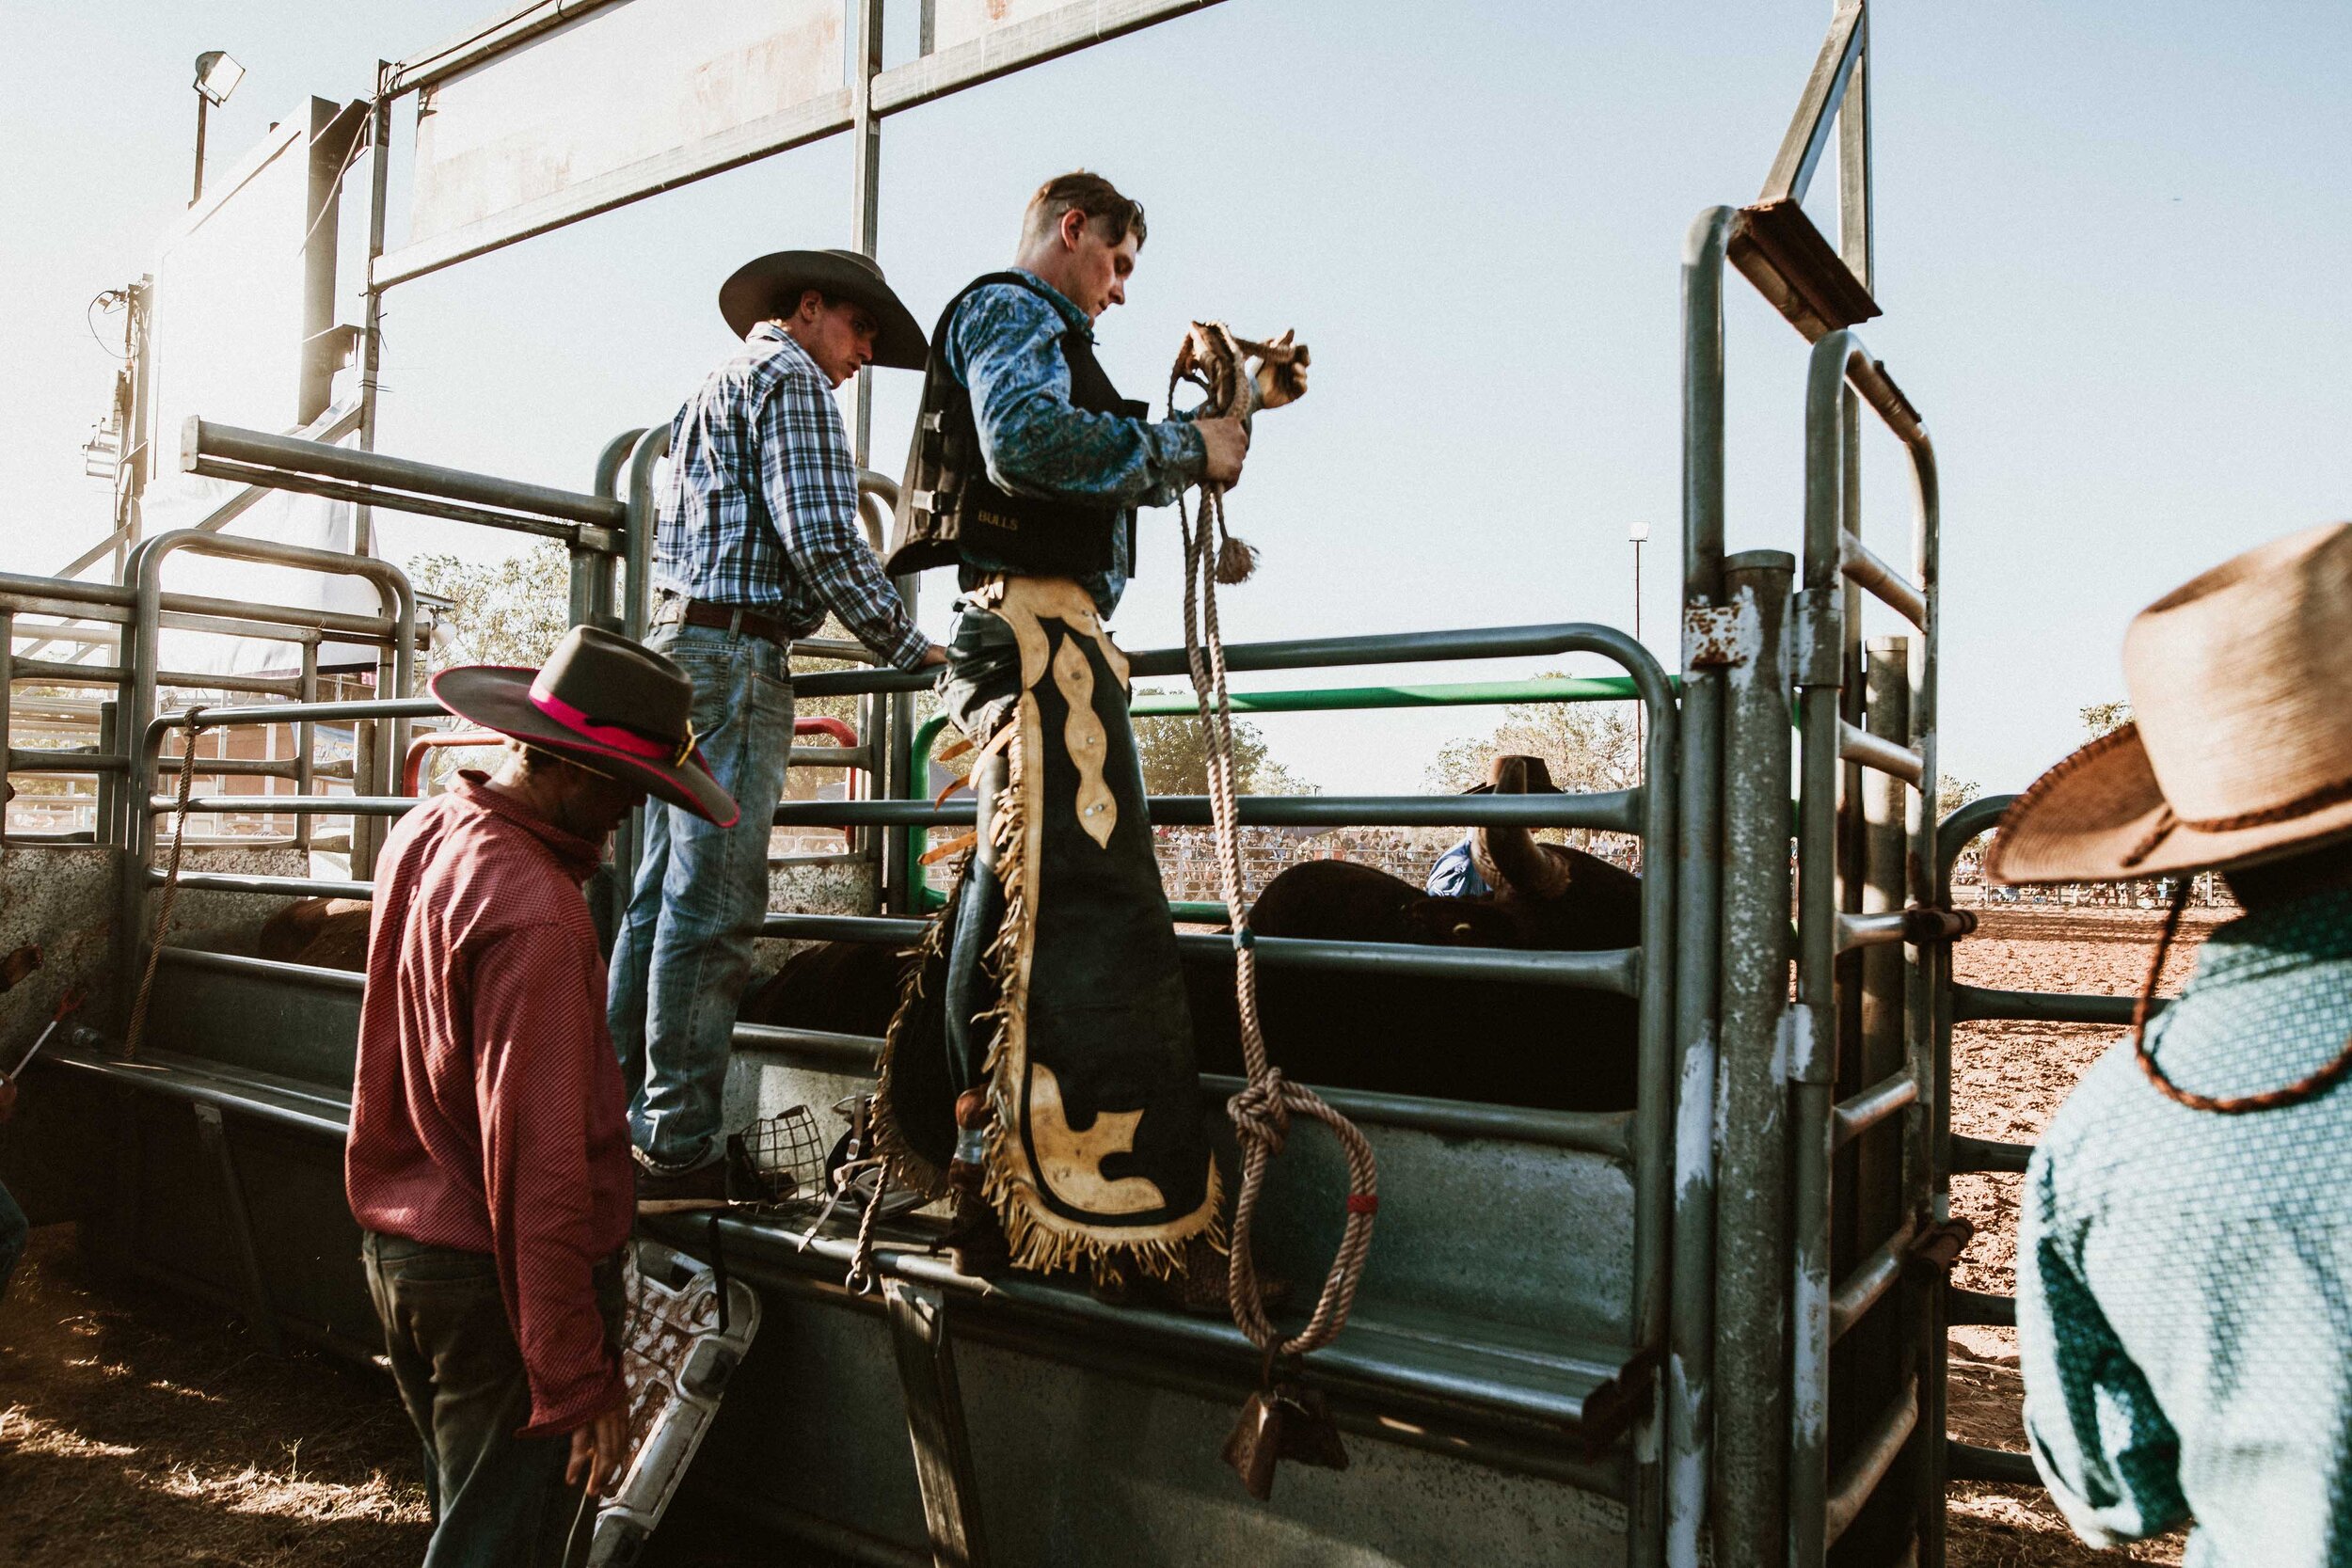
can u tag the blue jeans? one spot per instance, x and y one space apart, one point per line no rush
684 950
498 1501
13 1230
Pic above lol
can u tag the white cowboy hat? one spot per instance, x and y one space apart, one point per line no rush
2241 746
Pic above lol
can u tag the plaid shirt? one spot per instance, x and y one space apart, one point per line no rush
760 505
2185 1278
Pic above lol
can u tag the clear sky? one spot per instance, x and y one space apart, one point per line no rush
2110 242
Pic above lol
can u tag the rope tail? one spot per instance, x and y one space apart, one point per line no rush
1262 1112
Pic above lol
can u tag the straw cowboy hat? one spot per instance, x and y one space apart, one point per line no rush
2241 748
605 703
773 285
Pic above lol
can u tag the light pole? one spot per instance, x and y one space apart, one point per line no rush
217 77
1639 534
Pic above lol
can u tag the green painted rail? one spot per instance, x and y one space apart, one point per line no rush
1331 699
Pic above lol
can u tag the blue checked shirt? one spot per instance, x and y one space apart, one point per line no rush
1005 346
760 506
2185 1278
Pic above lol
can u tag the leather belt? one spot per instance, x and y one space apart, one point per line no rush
723 617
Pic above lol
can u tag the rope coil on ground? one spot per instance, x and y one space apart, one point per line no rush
137 1029
1263 1109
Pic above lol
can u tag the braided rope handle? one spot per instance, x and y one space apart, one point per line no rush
137 1030
1262 1112
860 1281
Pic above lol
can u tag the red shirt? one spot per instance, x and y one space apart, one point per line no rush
486 1110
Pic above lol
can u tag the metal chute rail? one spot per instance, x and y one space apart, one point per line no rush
1960 1155
1583 1384
1607 812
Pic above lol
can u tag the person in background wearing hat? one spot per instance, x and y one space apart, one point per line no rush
1053 979
489 1160
2184 1258
755 538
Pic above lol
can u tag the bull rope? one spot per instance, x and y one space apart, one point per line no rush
1211 358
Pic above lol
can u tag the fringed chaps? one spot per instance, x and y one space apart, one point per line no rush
1098 1158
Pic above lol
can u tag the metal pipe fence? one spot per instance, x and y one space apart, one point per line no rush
1958 1155
1643 1137
1262 811
1901 747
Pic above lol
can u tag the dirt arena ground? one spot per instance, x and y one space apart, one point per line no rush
136 1427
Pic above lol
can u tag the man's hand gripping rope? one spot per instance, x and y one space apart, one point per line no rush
1214 360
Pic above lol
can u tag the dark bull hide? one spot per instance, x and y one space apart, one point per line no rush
1546 1046
1511 1044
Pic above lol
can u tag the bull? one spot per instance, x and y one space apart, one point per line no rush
1508 1042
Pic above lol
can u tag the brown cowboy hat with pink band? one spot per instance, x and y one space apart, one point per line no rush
2240 748
605 703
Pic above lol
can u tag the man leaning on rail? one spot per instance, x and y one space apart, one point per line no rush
755 538
2184 1259
489 1162
1041 1069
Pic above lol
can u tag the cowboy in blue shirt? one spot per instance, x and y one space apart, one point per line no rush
1041 1069
2185 1256
755 539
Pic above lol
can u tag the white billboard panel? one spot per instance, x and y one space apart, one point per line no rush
623 84
244 289
955 22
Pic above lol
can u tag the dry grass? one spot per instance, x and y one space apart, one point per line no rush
134 1428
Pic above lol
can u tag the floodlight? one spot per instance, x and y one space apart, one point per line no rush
217 75
1638 532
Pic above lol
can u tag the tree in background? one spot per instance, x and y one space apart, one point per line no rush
2101 718
1951 794
514 611
1175 755
510 611
1589 747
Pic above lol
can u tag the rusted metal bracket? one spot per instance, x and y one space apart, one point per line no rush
1720 636
943 1451
1777 248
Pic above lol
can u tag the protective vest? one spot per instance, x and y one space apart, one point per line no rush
948 509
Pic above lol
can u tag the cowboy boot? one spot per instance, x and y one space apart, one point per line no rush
974 1243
